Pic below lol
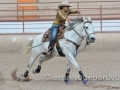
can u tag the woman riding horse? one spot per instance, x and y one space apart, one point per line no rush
61 17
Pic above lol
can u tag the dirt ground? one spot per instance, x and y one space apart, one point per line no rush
99 62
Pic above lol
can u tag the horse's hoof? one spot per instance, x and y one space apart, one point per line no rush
25 74
67 81
85 81
33 72
37 70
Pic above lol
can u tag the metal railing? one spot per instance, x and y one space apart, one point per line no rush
97 10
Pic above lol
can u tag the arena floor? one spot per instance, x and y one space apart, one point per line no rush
99 62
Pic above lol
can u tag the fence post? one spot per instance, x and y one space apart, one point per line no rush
17 11
78 9
101 17
23 18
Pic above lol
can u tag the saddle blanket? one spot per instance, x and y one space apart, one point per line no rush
47 34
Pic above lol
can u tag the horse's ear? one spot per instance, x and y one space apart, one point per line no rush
83 19
89 18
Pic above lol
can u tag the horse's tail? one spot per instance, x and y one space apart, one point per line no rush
28 47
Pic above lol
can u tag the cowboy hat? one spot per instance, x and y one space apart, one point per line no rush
65 3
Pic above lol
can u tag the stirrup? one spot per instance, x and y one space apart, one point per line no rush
50 50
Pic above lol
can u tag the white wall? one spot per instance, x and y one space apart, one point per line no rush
104 42
39 27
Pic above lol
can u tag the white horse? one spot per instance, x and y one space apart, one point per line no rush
75 33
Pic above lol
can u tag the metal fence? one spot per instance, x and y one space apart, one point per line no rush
14 15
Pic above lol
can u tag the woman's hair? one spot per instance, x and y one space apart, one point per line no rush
61 7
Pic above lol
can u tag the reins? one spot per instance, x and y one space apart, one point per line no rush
87 43
41 43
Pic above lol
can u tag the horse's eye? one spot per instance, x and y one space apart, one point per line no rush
86 27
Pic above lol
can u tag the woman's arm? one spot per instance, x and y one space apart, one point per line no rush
61 16
73 11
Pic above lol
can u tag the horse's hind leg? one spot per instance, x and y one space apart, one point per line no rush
41 60
32 60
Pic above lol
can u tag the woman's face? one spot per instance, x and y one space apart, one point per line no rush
66 8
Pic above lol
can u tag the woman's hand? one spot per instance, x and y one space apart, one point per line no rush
68 20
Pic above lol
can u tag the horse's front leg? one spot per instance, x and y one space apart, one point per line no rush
68 71
73 61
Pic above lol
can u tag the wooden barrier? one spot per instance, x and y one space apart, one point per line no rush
26 9
27 1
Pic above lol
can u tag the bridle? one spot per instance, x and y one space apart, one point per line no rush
87 43
88 21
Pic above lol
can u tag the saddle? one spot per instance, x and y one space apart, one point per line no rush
60 35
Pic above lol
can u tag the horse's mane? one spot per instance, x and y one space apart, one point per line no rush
73 22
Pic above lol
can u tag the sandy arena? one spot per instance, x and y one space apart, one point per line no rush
100 62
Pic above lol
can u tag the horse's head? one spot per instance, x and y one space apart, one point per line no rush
83 28
88 30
